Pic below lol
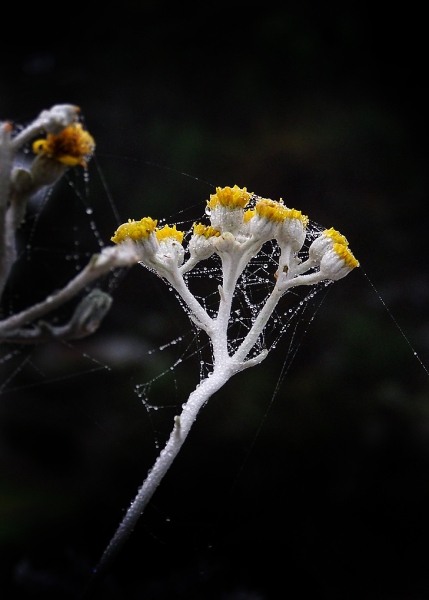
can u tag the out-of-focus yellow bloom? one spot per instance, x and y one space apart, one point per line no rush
73 146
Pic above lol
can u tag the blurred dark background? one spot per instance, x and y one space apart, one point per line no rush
321 491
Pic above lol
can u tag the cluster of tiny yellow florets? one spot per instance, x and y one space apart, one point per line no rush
331 238
169 232
72 146
345 254
268 219
234 197
336 236
134 230
206 231
277 211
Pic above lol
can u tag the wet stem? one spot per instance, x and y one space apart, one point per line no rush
225 366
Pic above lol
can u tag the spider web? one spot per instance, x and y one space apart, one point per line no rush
99 396
64 226
290 319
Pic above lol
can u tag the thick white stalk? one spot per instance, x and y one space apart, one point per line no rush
233 264
179 433
219 336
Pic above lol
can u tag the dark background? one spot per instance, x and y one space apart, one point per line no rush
322 492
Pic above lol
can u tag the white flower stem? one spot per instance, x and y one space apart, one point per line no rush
202 317
179 433
224 368
284 283
220 331
259 324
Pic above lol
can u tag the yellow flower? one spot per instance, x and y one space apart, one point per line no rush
205 230
277 211
169 232
337 262
343 252
271 219
325 242
134 230
234 197
72 146
336 236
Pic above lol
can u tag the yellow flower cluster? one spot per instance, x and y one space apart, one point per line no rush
72 146
268 219
336 236
234 197
277 211
345 254
206 231
168 232
340 247
134 230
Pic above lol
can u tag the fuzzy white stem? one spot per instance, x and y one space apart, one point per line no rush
203 320
283 284
182 426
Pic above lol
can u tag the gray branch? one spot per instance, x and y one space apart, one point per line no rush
85 320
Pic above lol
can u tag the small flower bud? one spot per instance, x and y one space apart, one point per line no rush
324 242
292 230
226 208
141 234
170 251
259 226
201 243
72 146
337 262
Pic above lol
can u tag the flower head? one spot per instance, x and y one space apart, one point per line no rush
170 251
137 231
226 208
236 234
200 245
337 262
167 232
325 242
159 248
234 197
71 147
272 219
